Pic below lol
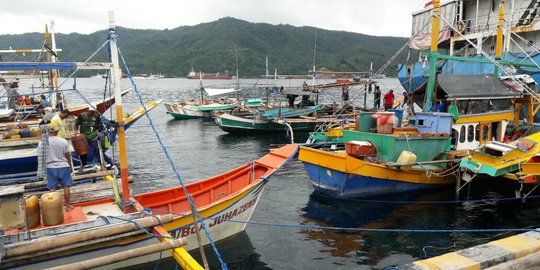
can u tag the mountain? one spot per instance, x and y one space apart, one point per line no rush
209 47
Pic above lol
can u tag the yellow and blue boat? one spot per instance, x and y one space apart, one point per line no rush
380 170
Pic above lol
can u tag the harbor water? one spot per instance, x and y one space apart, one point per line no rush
289 214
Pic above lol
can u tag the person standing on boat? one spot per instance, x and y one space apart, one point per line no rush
388 100
377 98
59 164
58 120
12 94
89 124
405 99
345 94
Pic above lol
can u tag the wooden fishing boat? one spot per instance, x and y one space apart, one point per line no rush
20 155
193 110
253 124
497 158
360 164
229 196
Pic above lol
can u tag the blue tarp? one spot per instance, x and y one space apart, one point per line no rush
37 65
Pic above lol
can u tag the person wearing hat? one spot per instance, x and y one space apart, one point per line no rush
89 124
59 163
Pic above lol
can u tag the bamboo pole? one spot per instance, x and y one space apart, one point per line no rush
122 256
198 234
75 237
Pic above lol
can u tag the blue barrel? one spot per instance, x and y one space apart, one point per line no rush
399 114
25 133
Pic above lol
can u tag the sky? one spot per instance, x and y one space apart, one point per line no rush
379 17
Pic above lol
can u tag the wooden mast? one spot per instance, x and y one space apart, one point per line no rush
499 40
116 73
428 102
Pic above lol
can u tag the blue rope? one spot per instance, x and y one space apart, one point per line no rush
379 230
445 202
203 225
273 224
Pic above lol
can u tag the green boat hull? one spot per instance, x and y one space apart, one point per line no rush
244 125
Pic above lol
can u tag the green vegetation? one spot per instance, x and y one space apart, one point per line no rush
209 47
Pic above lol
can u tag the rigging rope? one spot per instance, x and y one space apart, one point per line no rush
171 163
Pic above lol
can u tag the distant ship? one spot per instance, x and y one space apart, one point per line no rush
214 76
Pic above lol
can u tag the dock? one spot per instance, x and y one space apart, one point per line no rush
516 252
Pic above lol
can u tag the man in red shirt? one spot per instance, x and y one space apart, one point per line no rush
388 100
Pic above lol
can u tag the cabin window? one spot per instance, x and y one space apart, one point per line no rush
477 135
485 131
470 133
462 134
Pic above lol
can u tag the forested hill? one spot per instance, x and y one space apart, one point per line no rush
209 47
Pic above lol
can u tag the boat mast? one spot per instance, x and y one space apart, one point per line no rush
499 40
116 73
428 102
49 73
54 58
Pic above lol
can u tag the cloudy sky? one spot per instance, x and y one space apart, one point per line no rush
379 17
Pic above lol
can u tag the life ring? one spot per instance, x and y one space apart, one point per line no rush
461 27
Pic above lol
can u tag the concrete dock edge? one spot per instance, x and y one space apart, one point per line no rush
483 256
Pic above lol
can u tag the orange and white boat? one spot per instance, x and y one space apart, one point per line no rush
229 196
101 228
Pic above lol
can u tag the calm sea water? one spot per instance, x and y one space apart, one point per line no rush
200 149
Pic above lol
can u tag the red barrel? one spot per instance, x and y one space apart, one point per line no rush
80 144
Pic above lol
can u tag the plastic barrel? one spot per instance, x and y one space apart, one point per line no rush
365 121
80 144
34 132
25 133
399 114
52 208
33 212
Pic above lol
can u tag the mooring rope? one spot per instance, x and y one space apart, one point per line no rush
166 152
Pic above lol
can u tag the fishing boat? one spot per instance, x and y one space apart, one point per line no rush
20 155
274 119
194 109
498 159
357 164
98 231
207 76
482 107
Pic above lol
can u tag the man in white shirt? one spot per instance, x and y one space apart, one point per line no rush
59 164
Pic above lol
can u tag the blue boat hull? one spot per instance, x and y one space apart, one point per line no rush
347 186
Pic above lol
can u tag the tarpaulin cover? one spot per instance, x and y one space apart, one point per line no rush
474 86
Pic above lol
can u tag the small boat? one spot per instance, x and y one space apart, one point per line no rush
249 123
207 76
498 158
20 155
361 164
194 110
275 119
